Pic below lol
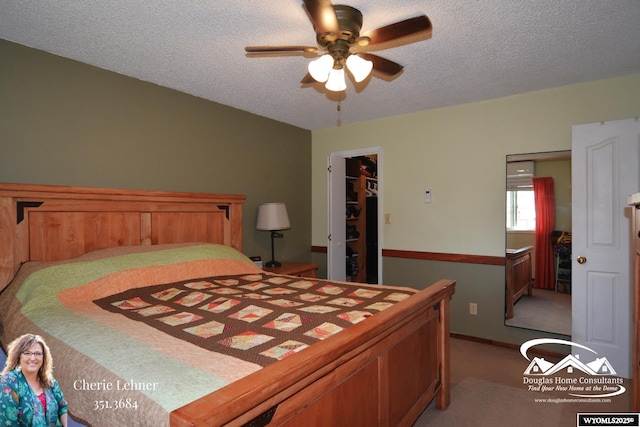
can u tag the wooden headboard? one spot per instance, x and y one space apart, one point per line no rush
50 223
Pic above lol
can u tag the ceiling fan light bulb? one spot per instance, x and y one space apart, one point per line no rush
320 68
359 67
336 82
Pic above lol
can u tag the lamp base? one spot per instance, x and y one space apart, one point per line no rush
273 263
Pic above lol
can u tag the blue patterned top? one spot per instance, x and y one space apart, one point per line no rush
19 405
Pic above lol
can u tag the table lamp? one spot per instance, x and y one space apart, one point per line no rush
273 217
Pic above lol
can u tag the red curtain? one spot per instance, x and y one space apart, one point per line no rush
545 217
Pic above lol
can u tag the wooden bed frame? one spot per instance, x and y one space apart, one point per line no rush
384 371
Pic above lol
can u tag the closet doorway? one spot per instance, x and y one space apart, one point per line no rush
354 241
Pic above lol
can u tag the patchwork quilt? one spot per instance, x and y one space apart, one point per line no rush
138 332
259 318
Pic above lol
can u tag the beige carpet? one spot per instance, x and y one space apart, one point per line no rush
476 402
487 390
546 310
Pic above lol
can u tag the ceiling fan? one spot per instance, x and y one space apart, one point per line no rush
338 36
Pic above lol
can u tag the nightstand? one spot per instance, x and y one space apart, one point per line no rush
299 269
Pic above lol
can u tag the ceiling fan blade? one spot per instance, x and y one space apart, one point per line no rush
270 49
323 16
400 29
307 79
383 65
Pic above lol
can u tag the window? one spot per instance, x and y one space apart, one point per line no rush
521 207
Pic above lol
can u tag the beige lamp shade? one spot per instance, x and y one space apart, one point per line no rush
273 216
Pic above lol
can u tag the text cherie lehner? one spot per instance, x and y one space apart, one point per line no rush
105 385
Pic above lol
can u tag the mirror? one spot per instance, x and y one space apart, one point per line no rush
539 306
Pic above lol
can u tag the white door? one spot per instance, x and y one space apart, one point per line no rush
336 241
604 160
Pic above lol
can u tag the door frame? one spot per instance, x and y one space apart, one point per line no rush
377 151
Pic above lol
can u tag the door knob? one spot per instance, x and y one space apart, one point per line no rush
582 259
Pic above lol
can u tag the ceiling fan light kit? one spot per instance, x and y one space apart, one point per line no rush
359 67
327 69
337 30
336 81
319 68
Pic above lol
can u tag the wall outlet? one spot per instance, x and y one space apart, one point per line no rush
473 308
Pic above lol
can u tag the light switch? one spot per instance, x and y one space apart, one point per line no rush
427 196
387 218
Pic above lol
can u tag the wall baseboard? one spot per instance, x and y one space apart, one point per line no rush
510 346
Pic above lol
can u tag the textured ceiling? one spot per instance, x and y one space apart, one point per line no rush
480 49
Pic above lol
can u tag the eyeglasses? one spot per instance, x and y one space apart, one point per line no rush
32 353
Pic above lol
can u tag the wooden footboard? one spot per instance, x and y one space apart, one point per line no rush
381 372
519 281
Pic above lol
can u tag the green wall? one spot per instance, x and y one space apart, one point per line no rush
67 123
459 153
